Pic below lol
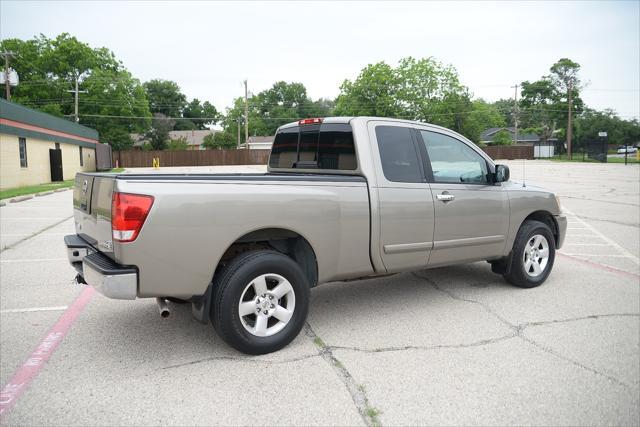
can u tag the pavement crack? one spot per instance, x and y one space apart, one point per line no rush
358 394
240 359
427 348
519 329
37 233
472 301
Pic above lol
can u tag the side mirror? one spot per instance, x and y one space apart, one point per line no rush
502 173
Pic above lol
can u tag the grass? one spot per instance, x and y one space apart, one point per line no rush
578 158
373 413
32 189
318 341
116 170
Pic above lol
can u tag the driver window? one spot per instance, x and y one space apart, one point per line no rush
452 161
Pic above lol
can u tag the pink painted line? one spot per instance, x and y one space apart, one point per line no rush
25 374
600 266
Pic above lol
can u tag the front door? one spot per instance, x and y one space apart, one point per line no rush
405 204
471 213
55 161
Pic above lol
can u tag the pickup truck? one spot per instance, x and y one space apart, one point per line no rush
343 198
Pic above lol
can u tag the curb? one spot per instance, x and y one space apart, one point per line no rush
2 203
45 193
21 199
59 190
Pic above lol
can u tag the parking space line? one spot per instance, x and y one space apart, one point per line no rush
25 374
600 266
610 241
605 255
33 309
8 261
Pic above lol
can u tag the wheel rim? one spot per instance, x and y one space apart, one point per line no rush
266 305
536 255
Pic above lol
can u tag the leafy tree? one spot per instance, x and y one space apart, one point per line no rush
178 144
481 116
417 89
201 114
117 137
505 108
158 135
622 132
503 137
48 68
219 140
545 102
165 97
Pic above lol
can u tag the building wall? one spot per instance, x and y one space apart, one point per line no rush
38 170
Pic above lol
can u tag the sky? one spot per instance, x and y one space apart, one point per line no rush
209 48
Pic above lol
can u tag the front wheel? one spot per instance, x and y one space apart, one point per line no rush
260 302
533 254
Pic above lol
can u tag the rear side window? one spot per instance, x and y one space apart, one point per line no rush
398 154
328 146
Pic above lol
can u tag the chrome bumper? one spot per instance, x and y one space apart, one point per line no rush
98 270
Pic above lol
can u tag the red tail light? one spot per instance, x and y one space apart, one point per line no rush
309 121
128 213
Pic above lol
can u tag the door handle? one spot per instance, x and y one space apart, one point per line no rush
445 197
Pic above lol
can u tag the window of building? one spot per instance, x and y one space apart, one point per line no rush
57 145
327 146
22 142
81 159
398 154
453 161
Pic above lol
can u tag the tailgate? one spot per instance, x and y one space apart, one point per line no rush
92 210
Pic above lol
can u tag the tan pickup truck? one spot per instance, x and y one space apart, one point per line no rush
343 198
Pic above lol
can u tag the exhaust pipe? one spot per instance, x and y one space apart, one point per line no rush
163 308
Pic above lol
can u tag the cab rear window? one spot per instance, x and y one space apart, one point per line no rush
327 146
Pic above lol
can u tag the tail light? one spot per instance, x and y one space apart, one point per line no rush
128 213
309 121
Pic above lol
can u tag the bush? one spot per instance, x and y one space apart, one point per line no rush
219 140
179 144
502 138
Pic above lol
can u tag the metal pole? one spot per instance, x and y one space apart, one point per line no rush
246 115
515 112
76 103
569 124
7 84
238 123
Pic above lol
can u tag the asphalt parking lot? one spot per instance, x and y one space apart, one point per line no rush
451 346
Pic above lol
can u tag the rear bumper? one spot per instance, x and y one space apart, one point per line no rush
561 220
98 270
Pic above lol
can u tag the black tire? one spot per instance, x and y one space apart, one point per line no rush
230 283
517 274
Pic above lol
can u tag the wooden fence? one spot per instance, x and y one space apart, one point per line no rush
509 152
136 159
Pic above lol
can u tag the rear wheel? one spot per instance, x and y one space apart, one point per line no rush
532 255
260 302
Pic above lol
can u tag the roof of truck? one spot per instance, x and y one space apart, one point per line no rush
348 119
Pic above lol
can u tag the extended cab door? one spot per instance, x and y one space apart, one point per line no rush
471 213
405 203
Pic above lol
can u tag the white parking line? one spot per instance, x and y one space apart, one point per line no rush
32 260
604 255
33 309
586 244
623 251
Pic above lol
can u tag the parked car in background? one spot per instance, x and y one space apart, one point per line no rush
627 149
344 198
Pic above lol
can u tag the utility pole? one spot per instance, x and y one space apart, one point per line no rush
76 91
7 86
238 123
569 121
515 112
246 115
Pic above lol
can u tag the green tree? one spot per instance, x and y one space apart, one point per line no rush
158 135
545 102
48 69
178 144
503 137
117 137
219 140
201 114
481 116
417 89
165 97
